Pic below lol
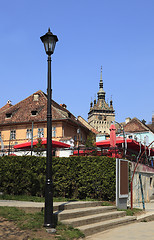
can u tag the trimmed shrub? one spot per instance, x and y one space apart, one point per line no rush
73 177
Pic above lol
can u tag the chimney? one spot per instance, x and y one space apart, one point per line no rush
36 97
9 102
127 120
63 105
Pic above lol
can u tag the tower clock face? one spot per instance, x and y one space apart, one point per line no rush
100 117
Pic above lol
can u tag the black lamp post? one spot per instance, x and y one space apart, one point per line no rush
49 40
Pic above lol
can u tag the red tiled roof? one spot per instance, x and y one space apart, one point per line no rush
135 125
22 111
86 124
29 110
151 126
6 106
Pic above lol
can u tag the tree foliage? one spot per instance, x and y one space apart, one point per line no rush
91 139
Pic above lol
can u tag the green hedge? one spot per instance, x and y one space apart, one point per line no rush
73 177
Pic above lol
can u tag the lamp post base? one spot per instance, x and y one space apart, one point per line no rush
50 230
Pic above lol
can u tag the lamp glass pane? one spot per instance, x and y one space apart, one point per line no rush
52 46
46 46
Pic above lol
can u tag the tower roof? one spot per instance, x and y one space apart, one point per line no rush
101 104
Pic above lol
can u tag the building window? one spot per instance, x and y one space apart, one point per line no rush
130 136
12 134
34 113
8 115
29 134
53 131
40 132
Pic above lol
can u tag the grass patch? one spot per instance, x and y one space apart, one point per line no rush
106 203
34 221
23 220
68 232
30 198
131 212
21 198
39 199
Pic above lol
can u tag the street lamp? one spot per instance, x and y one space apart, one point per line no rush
78 133
125 142
49 40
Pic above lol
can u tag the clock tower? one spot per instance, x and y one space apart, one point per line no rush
101 114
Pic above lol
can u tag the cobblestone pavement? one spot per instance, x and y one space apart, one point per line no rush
9 231
135 231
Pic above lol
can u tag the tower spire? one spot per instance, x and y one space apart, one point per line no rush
101 93
95 100
101 80
91 104
111 102
101 73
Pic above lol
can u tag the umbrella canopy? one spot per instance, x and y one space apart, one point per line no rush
55 144
131 145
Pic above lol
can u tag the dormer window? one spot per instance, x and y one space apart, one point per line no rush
34 113
8 115
69 114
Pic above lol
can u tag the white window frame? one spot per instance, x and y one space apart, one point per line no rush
40 132
53 131
29 133
12 134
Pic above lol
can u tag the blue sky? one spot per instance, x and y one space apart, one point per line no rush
119 35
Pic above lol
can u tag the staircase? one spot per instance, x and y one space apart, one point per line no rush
91 217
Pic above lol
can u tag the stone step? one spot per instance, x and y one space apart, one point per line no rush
81 212
76 204
76 222
102 226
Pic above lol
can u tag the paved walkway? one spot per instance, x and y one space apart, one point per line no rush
149 211
135 231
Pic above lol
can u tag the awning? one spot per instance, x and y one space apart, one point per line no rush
131 145
55 144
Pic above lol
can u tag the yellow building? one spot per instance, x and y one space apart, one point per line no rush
28 118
